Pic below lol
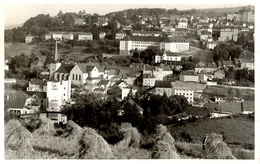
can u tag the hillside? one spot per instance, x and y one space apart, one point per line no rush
238 131
223 10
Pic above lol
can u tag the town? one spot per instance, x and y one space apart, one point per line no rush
147 67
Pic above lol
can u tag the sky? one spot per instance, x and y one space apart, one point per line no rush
18 12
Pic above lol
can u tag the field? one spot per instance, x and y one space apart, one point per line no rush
15 49
238 131
219 90
46 145
203 55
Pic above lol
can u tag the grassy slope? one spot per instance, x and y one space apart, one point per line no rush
15 49
237 130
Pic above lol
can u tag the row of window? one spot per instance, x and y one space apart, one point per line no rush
76 77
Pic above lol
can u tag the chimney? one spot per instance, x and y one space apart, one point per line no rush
56 52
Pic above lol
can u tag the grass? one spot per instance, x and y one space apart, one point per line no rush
14 49
238 131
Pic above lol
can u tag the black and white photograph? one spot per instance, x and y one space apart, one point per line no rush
138 80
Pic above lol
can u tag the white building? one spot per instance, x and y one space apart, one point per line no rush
183 23
148 80
125 92
58 93
85 36
167 57
120 35
172 44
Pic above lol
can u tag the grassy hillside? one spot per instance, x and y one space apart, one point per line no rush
238 131
14 49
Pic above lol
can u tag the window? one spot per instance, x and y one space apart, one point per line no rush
76 77
72 76
41 101
79 77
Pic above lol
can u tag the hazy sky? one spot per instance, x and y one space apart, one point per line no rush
18 12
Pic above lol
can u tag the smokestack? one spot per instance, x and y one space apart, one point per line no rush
56 51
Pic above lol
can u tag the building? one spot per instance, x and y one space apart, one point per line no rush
205 35
84 36
63 72
148 80
37 85
228 33
191 76
172 44
82 71
183 23
220 74
102 35
162 87
246 63
167 56
58 93
28 38
79 21
120 35
211 45
67 36
236 17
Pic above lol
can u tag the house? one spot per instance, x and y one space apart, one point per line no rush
189 76
37 101
248 107
102 35
67 36
28 38
162 73
127 90
104 84
183 23
37 85
120 35
188 89
162 87
79 21
146 33
247 63
207 68
47 36
220 74
205 35
228 33
82 71
121 84
131 77
167 56
14 101
148 80
211 45
84 36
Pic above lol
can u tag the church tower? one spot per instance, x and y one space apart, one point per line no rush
53 66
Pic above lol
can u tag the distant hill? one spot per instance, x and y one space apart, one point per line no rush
223 10
11 26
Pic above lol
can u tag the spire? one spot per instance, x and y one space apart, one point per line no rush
56 52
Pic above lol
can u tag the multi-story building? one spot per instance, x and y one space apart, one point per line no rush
205 35
247 63
235 17
67 36
228 33
172 44
163 87
148 80
147 33
183 23
37 85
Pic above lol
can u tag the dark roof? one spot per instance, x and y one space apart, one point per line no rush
38 94
16 99
36 81
232 107
174 39
248 105
65 68
163 84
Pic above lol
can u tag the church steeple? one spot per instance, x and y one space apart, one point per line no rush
56 52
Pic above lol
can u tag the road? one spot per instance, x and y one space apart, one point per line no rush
238 87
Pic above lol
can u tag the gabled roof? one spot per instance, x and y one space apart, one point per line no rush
163 84
65 68
40 95
103 82
197 111
232 107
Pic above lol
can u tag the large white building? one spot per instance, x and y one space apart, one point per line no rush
171 44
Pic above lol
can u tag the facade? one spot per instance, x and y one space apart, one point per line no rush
147 33
148 80
205 35
58 93
172 44
211 45
28 39
228 33
166 57
246 63
102 35
67 36
183 23
120 35
85 36
37 85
